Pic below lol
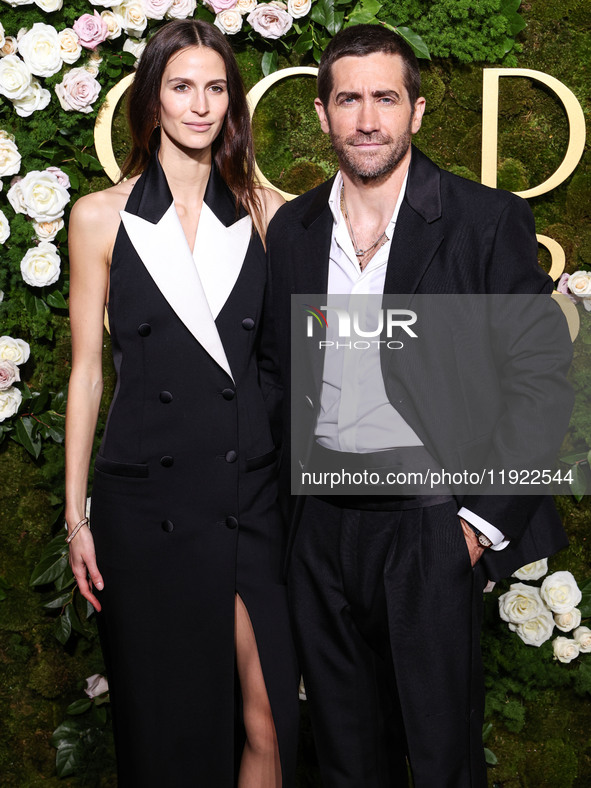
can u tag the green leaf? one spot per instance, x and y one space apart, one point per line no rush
570 459
270 62
585 604
509 6
304 42
79 706
63 626
58 601
89 609
40 401
360 16
3 589
578 485
416 42
490 757
57 300
68 758
68 730
66 579
323 12
25 434
98 715
516 23
318 12
34 305
48 570
486 730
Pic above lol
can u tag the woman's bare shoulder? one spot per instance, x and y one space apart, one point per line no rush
271 201
101 209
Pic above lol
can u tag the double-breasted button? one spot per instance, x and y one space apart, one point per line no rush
167 526
309 403
165 397
167 461
231 456
228 394
231 522
248 323
144 330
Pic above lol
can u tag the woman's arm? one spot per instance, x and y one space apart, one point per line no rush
89 272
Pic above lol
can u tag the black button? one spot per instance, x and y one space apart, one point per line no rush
248 323
231 522
228 394
231 456
144 330
166 461
167 526
165 397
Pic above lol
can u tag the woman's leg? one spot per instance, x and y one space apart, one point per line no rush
260 766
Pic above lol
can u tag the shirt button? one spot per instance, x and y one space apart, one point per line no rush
231 456
231 522
167 461
248 323
165 397
228 394
167 526
144 329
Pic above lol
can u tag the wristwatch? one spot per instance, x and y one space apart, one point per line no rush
483 539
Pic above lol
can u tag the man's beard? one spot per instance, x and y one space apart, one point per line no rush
370 165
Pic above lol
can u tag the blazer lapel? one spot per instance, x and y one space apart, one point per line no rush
156 233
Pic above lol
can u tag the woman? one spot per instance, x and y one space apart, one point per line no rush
184 515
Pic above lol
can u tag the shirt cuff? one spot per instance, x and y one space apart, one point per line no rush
497 537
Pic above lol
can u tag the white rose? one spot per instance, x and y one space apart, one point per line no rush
15 350
46 231
9 374
136 47
2 39
565 649
113 22
10 46
133 17
156 9
50 5
561 592
10 158
4 228
78 90
15 196
229 21
583 637
10 402
270 20
35 99
568 621
96 685
44 196
40 49
15 3
41 265
246 6
105 3
298 8
532 571
536 630
70 49
181 9
15 77
520 603
579 283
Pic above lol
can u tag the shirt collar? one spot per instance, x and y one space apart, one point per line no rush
334 202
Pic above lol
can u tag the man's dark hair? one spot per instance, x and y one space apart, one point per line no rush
361 40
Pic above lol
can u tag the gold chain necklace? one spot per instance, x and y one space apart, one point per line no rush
359 252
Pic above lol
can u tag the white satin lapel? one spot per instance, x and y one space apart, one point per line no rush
215 246
164 251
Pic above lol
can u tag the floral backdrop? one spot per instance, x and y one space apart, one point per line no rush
57 63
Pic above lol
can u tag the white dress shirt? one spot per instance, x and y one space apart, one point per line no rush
360 418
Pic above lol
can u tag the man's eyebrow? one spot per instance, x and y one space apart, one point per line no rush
353 94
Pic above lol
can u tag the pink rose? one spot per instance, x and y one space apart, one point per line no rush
61 176
9 374
91 30
562 287
78 90
220 5
270 20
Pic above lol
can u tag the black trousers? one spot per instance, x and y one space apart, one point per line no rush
387 614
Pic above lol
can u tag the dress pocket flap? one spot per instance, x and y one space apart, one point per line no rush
135 470
256 463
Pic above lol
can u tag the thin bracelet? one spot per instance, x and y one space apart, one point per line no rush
76 529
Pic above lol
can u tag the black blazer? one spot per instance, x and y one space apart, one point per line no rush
452 236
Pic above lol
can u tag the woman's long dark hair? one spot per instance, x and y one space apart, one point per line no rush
233 149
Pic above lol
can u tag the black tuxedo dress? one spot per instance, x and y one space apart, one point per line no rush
184 510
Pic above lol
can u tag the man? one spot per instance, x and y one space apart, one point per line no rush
386 591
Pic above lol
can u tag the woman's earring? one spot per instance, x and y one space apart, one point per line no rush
156 123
